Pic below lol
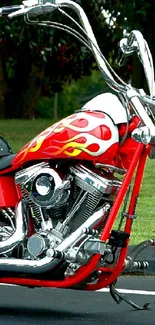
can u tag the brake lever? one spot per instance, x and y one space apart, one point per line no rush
121 58
125 48
35 10
6 10
19 12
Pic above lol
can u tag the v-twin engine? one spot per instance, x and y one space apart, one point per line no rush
59 206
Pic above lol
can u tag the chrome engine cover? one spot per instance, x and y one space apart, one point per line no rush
65 203
90 181
43 185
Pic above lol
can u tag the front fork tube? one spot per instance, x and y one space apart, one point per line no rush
136 190
109 276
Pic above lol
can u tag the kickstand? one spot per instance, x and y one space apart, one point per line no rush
118 297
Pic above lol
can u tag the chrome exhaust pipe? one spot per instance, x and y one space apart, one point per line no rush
19 234
47 263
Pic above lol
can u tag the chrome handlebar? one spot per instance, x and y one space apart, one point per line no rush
37 7
134 42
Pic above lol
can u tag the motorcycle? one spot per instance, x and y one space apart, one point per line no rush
61 193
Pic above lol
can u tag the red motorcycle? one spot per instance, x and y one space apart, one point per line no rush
61 193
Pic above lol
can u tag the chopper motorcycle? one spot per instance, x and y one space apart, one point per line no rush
60 194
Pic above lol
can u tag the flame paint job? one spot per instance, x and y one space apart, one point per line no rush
84 135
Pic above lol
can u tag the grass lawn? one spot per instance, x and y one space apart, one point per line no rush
144 225
19 132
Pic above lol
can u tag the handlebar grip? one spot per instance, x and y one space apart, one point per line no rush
8 10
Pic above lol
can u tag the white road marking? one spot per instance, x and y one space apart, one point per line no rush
106 290
7 284
133 292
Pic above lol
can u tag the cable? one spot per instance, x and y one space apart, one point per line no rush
61 27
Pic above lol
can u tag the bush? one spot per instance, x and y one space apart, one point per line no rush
73 96
44 107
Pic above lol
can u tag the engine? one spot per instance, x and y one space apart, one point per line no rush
57 202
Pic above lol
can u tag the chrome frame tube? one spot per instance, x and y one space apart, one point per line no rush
47 263
134 98
19 234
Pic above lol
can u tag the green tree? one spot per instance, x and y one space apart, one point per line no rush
22 67
37 61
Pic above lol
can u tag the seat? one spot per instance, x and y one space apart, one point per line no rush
6 161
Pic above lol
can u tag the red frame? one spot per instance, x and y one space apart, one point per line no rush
108 275
7 186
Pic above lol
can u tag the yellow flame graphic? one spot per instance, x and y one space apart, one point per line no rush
77 147
74 146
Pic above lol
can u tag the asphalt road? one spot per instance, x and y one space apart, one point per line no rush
19 305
